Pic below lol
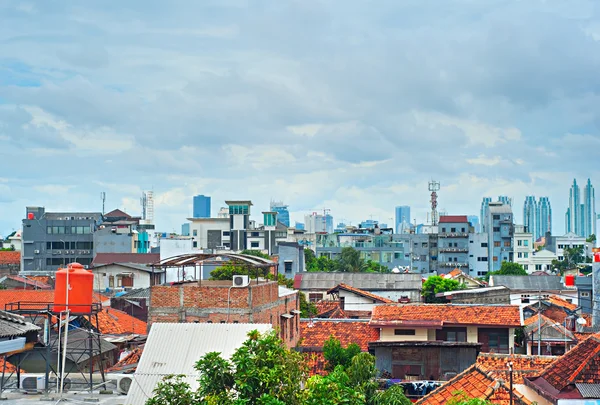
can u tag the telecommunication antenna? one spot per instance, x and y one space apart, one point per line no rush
144 203
434 187
103 198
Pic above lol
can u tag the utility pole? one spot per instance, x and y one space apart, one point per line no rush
539 323
510 370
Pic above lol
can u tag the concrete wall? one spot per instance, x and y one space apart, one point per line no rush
293 254
107 242
354 302
387 335
141 279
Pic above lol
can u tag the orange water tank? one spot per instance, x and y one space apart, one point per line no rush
570 280
80 290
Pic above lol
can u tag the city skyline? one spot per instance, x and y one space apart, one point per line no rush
242 101
581 217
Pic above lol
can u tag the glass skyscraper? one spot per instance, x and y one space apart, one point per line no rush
402 219
201 206
483 212
544 217
530 214
589 210
283 214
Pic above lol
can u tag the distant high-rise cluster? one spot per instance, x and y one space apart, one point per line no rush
402 219
283 214
485 208
201 206
581 217
537 216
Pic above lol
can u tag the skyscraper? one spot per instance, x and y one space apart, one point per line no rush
505 200
530 215
474 221
483 212
544 217
589 210
201 206
573 215
283 214
402 219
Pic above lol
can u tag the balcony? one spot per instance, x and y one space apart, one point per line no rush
454 264
453 250
454 235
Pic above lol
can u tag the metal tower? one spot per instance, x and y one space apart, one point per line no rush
434 187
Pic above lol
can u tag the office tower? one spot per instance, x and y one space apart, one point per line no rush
576 218
499 222
505 200
589 210
544 217
530 214
317 223
474 221
483 212
201 206
283 214
402 219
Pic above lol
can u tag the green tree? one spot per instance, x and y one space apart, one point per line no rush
435 285
461 398
508 269
256 253
307 309
322 263
572 257
309 257
392 396
349 260
591 238
173 390
374 267
336 355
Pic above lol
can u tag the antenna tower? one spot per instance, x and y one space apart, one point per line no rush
103 198
434 187
144 202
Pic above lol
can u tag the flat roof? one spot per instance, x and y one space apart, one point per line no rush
231 202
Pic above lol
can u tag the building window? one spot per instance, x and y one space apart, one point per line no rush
495 258
254 234
195 232
561 258
525 299
288 266
443 230
314 297
484 244
452 229
538 266
195 244
226 233
520 255
482 259
496 229
404 332
462 229
254 244
525 267
519 243
497 244
525 255
507 243
496 217
526 242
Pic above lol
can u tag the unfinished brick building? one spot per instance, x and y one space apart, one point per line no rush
219 302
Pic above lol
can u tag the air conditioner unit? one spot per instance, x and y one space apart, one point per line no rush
240 281
33 382
124 382
37 252
59 252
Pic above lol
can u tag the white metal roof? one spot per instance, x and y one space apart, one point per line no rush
174 348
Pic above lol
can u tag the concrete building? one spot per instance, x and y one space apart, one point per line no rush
499 221
210 233
589 210
523 245
483 212
201 206
290 258
53 239
453 243
540 260
125 276
185 229
403 219
478 254
574 217
526 290
475 223
505 200
530 215
317 223
557 244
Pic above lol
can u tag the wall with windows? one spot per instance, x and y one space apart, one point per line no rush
400 335
478 254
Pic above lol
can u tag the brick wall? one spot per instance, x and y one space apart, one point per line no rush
257 303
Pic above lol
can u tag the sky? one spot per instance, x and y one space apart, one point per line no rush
351 106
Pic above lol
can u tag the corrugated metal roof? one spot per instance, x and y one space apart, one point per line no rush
543 283
363 281
590 391
174 348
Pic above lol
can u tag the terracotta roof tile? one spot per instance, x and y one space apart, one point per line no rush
445 219
561 302
10 368
314 334
580 365
496 364
29 282
115 322
447 314
474 382
10 257
42 279
133 358
330 310
360 292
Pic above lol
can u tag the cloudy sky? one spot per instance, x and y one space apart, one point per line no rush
348 105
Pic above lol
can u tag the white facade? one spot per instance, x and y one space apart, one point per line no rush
478 254
199 228
540 261
16 241
525 298
523 247
355 302
170 247
116 276
570 240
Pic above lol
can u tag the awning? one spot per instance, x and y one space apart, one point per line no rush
287 316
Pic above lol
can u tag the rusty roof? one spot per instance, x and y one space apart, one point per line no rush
497 365
454 219
10 257
446 314
360 292
313 334
329 309
193 258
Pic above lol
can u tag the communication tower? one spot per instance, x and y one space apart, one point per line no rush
434 187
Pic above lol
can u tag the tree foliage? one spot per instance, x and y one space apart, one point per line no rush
461 398
307 309
435 285
591 238
572 257
256 253
336 355
508 269
349 261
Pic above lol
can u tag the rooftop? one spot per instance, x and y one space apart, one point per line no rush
543 283
115 322
14 325
523 365
26 281
363 281
446 314
10 257
454 219
360 292
139 258
315 333
329 309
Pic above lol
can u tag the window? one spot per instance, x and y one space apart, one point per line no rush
526 242
561 246
254 244
525 299
195 244
195 232
538 266
520 255
496 217
526 267
254 234
288 266
482 259
462 229
238 210
526 255
458 336
226 233
507 243
452 229
443 230
404 332
520 243
497 244
585 294
496 229
561 258
495 258
484 244
314 297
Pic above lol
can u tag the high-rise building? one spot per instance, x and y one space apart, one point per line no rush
505 200
573 216
589 210
283 214
530 214
317 223
201 206
483 212
499 222
402 219
544 218
474 221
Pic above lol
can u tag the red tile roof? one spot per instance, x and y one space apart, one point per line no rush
42 279
330 309
360 292
496 364
115 322
474 382
10 257
28 282
138 258
133 358
314 334
8 296
10 368
579 365
446 314
445 219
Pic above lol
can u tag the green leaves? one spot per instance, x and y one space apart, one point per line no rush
349 261
336 355
435 285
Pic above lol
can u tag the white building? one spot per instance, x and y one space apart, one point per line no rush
124 276
175 246
540 261
210 233
557 244
16 241
523 247
478 254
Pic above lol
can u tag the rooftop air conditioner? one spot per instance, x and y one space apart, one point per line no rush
33 382
124 383
240 281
